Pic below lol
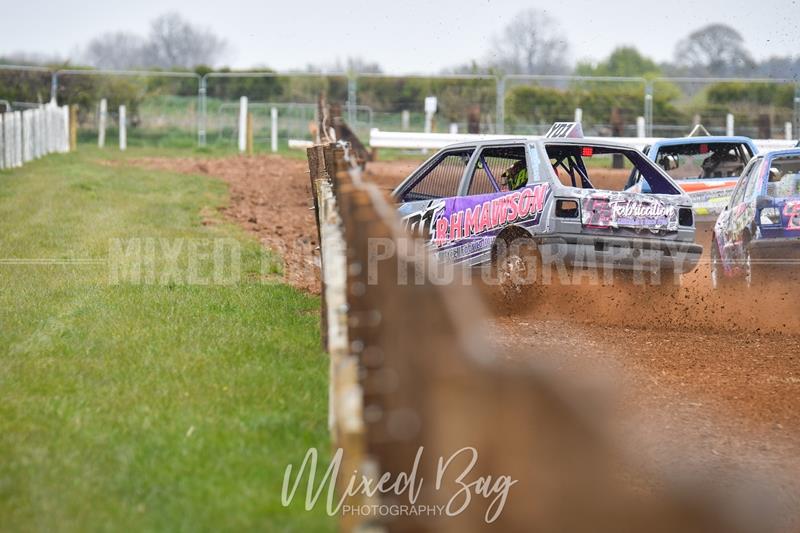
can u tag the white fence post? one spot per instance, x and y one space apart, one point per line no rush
640 130
26 136
38 145
242 124
788 130
101 125
729 122
123 133
405 119
274 130
36 133
18 133
6 141
48 131
2 143
453 127
578 115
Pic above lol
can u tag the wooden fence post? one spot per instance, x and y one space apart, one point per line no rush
73 127
249 134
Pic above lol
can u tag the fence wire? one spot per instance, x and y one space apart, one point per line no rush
169 108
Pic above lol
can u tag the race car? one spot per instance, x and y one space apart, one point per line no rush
473 200
758 232
706 167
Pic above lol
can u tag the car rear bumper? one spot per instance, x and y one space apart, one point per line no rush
777 251
619 253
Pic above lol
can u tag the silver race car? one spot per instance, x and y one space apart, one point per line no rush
562 195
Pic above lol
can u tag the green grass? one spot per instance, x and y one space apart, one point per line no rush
145 406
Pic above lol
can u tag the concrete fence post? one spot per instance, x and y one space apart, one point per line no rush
242 124
641 127
405 119
578 115
274 129
18 133
2 143
500 105
48 131
123 133
26 144
788 131
729 122
39 134
101 123
65 129
201 119
453 127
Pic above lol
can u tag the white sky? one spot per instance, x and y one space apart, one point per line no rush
403 36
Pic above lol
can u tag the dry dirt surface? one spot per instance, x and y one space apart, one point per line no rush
271 197
711 380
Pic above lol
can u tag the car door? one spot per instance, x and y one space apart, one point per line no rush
740 212
423 197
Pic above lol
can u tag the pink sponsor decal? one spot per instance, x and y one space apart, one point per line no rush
792 213
491 214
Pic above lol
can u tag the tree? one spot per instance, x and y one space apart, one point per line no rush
174 43
623 61
532 43
352 64
119 50
716 49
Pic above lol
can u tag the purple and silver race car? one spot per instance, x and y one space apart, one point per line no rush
759 230
472 199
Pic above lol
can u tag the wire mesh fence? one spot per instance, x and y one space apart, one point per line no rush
161 107
295 96
605 106
465 103
187 108
760 108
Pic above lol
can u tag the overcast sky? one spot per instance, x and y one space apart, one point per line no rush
404 36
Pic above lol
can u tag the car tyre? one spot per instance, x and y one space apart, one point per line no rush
517 265
718 278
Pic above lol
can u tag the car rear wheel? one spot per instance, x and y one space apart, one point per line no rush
718 280
517 267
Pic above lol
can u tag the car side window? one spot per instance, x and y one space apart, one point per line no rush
738 192
738 195
442 179
501 168
751 191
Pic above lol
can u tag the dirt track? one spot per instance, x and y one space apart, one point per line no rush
717 375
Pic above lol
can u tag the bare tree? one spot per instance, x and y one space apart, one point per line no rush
532 43
716 49
117 50
173 42
355 64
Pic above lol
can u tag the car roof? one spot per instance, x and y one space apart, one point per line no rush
578 141
780 153
703 140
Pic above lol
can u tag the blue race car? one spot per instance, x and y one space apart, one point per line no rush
706 168
758 232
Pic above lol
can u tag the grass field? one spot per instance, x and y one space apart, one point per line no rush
153 403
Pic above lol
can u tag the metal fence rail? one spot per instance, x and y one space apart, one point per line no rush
32 133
